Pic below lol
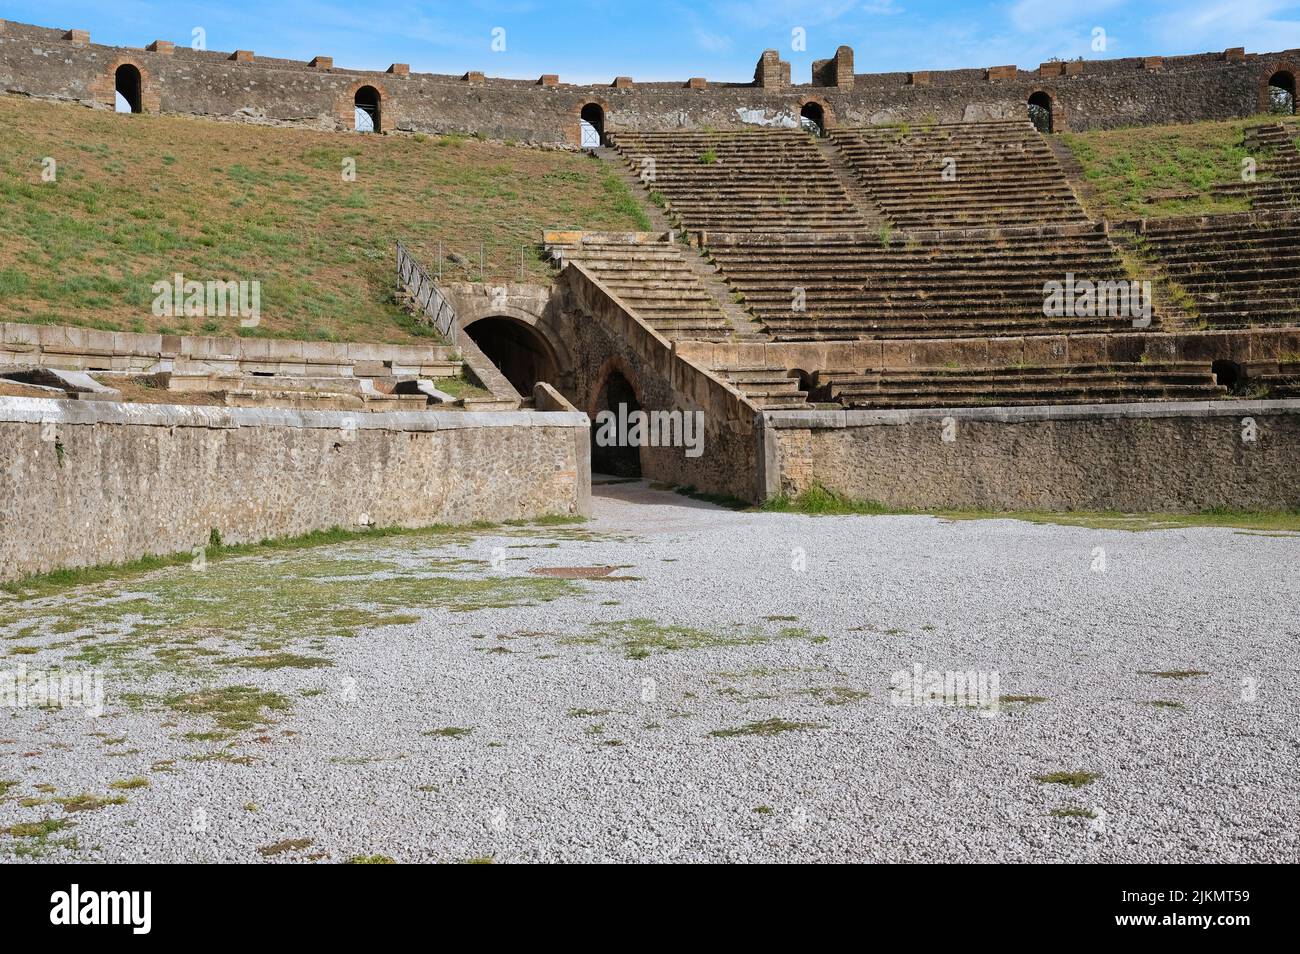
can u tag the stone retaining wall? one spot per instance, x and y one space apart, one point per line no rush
92 483
1181 457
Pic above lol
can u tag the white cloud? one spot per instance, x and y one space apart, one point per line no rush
1259 25
1030 16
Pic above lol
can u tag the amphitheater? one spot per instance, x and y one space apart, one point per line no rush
901 293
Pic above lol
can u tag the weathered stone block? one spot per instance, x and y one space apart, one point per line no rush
623 82
322 63
165 47
399 69
242 56
78 37
549 79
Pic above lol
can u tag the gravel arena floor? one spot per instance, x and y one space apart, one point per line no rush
729 691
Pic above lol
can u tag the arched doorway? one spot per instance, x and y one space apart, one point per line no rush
128 88
1040 112
1281 93
519 352
812 118
366 103
592 124
611 452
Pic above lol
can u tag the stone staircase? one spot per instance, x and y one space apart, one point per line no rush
667 283
1240 270
1021 385
961 174
652 275
872 214
771 389
949 284
1276 380
750 180
1282 189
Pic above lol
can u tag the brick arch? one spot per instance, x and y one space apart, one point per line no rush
345 106
104 86
1277 66
1060 121
828 114
573 130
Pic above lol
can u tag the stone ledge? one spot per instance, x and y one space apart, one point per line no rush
38 410
1026 415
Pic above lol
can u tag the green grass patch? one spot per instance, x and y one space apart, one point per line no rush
640 638
1072 779
765 727
1154 172
1073 811
240 202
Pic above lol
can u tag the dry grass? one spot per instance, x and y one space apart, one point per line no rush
139 198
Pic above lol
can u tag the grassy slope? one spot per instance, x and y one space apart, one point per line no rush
1124 167
141 197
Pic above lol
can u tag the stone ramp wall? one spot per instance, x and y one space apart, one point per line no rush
95 483
1177 457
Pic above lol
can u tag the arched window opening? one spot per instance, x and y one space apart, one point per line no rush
593 126
1040 112
127 85
366 102
1281 93
812 118
618 456
519 352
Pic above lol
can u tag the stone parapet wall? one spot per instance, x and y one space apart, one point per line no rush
1178 457
1094 94
1245 347
96 483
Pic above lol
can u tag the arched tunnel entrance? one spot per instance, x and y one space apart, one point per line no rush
518 351
617 457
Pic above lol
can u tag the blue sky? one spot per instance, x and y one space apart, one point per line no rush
594 40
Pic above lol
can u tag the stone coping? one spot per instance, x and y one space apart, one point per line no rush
850 417
25 410
70 339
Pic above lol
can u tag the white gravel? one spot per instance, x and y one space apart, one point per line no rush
349 769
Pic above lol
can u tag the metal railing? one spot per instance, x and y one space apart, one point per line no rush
426 296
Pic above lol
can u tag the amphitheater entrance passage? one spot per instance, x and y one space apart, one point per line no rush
366 102
812 118
1281 93
1040 112
128 89
611 453
592 124
519 352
